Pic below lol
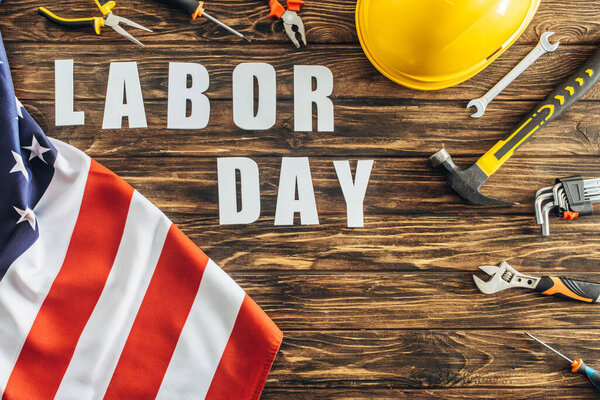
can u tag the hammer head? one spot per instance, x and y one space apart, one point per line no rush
466 183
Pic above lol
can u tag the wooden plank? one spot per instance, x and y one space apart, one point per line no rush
402 186
390 130
404 242
325 22
418 300
354 76
383 391
362 361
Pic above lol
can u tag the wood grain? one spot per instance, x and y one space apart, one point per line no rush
404 130
401 243
325 22
402 186
352 391
386 311
354 77
423 300
422 363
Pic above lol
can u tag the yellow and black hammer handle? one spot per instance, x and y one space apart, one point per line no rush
556 103
588 292
93 22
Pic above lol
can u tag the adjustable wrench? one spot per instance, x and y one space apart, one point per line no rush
505 277
543 47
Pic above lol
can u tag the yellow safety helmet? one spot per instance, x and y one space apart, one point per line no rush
434 44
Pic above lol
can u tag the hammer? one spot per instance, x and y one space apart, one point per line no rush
466 183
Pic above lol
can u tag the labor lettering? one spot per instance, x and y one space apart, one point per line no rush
254 106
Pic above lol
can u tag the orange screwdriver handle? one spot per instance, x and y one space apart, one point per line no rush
294 5
277 9
569 288
593 375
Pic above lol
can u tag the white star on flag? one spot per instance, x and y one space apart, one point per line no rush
19 166
19 107
36 149
26 215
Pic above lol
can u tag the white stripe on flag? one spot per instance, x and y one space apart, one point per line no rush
28 280
204 336
100 345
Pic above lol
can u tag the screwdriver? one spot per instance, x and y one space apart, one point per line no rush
576 366
195 8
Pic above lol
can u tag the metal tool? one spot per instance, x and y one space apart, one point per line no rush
506 277
543 47
195 8
110 20
576 366
292 22
568 199
467 182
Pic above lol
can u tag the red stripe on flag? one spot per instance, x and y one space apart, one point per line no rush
158 324
74 293
247 359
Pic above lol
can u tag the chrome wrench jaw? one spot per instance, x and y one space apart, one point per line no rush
479 106
502 278
545 43
543 47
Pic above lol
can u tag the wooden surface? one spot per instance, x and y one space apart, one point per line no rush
388 310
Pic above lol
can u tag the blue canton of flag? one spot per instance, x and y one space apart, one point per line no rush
26 168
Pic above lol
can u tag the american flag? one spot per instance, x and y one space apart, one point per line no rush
101 296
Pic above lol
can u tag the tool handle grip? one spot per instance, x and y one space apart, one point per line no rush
277 9
588 292
555 104
294 5
593 375
105 6
189 6
73 23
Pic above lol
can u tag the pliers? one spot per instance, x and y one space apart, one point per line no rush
96 23
291 20
505 277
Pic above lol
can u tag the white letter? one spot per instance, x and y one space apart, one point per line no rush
354 193
123 80
243 96
180 93
295 171
63 95
228 207
304 96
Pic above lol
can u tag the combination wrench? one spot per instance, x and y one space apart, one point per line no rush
543 47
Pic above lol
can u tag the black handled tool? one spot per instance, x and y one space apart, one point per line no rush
467 182
576 366
195 9
506 277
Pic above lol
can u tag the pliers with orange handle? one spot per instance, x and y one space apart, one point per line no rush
292 22
506 277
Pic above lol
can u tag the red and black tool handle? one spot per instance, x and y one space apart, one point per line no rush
193 8
588 292
277 9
